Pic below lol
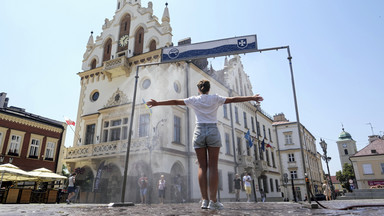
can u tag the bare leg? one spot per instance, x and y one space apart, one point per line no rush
213 154
201 154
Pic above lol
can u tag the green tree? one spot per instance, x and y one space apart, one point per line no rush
345 175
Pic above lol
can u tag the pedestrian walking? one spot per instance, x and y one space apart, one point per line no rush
206 138
237 186
247 186
71 187
143 185
263 195
161 188
327 190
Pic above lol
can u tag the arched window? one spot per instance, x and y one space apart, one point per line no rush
125 25
93 64
139 41
107 50
346 151
152 45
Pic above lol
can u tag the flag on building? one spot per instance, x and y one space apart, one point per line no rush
247 136
268 146
69 121
262 145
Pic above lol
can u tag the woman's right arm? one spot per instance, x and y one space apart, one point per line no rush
237 99
153 103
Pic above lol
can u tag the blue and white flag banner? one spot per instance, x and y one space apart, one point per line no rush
223 47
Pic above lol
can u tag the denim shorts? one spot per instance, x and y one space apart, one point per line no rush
206 135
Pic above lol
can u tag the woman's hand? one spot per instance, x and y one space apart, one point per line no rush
151 103
257 98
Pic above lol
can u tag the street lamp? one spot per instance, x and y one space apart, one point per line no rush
323 145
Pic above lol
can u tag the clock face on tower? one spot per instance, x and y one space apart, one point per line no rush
345 145
123 40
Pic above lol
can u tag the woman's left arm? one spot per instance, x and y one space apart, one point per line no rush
237 99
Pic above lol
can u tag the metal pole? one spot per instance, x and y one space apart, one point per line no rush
129 135
130 128
329 177
298 124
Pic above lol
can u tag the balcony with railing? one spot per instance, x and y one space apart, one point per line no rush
261 165
117 67
107 149
245 160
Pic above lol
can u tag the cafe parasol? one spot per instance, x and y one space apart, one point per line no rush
46 175
10 172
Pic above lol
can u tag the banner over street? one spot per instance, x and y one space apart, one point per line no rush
216 48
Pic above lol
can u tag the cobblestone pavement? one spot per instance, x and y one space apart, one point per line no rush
189 209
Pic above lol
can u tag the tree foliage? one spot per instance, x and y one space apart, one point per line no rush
345 175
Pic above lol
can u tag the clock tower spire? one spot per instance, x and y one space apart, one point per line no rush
346 146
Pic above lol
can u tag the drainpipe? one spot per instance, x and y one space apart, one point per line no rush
233 133
189 179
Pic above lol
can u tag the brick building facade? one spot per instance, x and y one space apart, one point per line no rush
30 141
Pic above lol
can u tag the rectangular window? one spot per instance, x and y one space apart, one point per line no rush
269 133
34 150
294 174
273 159
237 115
144 125
265 135
15 145
225 110
258 128
1 140
90 134
116 129
105 131
239 148
220 180
291 157
252 124
230 182
227 144
176 129
115 134
125 132
265 185
248 149
288 138
367 169
245 119
382 168
261 154
271 184
50 150
267 157
277 185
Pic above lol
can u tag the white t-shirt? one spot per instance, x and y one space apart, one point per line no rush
70 181
247 183
205 107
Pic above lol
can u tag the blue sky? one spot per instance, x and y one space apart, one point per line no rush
336 48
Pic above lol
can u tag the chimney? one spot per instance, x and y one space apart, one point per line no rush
373 138
184 41
279 117
3 100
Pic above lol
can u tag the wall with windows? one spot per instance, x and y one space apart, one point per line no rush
368 164
291 157
30 144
